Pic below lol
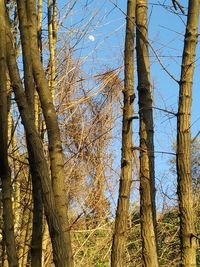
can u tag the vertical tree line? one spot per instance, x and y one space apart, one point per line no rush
185 191
118 256
146 131
56 169
5 175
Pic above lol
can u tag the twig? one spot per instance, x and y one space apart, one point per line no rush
165 110
175 4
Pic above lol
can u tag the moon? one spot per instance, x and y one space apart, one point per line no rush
91 38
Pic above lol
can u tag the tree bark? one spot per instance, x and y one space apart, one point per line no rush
36 242
118 255
147 173
52 33
185 194
5 175
36 155
55 146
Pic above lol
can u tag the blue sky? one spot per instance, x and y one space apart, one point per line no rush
167 28
101 47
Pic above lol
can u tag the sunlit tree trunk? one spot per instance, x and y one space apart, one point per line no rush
118 254
25 238
23 246
185 194
5 175
52 33
147 174
36 242
45 241
36 155
37 109
39 26
55 146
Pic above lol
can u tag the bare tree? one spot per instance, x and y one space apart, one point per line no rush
36 244
5 173
55 146
147 173
118 254
186 205
36 155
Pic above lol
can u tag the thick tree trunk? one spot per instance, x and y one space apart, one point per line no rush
36 242
118 255
5 175
55 146
186 206
37 158
147 174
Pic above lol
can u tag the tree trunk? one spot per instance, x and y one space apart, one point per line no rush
55 146
185 194
52 33
118 255
5 175
147 173
36 242
37 158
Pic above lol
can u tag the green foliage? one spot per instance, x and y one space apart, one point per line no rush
95 247
168 239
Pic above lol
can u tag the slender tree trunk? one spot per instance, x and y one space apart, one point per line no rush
52 33
147 174
27 239
45 242
24 233
118 255
37 158
36 242
39 26
17 184
55 146
5 174
185 194
4 258
38 121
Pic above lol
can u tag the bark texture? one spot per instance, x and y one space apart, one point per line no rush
5 175
52 33
55 146
37 158
147 173
118 255
185 194
36 242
